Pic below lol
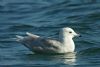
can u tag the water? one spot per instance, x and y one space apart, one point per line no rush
45 17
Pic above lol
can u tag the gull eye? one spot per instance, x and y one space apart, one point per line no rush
70 32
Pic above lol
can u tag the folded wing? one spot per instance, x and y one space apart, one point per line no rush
38 44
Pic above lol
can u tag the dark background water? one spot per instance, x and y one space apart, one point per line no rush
45 17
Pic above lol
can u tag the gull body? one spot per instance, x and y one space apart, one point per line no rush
42 45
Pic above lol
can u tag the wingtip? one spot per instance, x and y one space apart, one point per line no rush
32 35
27 33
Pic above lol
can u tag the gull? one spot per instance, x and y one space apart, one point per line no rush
41 45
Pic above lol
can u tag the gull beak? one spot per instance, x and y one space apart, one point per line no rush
78 35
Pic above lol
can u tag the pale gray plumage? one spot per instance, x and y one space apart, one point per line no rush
39 44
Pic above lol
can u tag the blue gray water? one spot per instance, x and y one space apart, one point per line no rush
45 18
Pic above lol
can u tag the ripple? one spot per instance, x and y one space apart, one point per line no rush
90 51
45 18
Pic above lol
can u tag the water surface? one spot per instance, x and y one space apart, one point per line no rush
45 18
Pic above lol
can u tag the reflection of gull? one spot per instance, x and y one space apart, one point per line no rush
45 45
70 58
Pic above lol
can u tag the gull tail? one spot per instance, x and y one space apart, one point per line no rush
26 41
19 38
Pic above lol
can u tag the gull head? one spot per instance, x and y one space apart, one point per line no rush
69 32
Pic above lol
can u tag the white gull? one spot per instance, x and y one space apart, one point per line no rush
42 45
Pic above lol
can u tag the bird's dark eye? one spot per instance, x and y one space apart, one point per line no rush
70 32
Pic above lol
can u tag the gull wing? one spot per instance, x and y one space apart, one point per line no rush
38 44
